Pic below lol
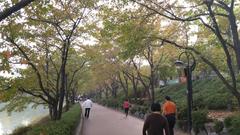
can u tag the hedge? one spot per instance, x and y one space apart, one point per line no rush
233 123
65 126
199 119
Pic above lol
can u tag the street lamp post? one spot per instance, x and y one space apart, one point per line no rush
188 65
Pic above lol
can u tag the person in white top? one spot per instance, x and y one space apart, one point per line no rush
87 105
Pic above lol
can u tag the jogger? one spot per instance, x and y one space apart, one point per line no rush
126 106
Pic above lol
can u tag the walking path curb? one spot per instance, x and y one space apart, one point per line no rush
79 128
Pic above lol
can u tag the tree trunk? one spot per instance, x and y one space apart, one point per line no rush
152 92
238 100
124 84
54 112
152 84
67 100
147 91
134 83
67 93
114 88
62 94
235 37
50 108
114 93
106 93
73 96
100 94
63 84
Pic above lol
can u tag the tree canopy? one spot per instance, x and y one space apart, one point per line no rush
68 48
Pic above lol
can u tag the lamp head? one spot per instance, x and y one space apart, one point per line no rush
180 64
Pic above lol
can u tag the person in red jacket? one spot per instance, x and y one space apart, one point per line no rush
126 106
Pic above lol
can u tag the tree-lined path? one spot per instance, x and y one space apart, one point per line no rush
105 121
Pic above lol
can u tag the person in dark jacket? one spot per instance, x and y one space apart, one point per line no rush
155 123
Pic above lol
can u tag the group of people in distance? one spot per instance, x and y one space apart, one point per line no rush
156 123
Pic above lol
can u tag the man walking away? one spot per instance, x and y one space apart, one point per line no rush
169 110
87 105
156 123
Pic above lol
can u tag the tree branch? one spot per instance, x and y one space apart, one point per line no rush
7 12
34 94
33 67
203 58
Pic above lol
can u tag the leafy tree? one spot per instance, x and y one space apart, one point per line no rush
44 39
218 18
134 40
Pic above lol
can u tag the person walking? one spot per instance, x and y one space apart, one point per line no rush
169 111
126 106
155 123
87 105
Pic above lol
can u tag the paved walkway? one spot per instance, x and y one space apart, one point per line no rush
105 121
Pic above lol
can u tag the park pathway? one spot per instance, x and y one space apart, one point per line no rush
105 121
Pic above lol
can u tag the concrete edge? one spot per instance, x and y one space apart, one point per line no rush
79 128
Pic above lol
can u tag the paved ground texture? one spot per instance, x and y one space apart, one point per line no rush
105 121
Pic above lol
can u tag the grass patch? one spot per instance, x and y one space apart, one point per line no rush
65 126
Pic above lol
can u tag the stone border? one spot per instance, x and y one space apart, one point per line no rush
79 128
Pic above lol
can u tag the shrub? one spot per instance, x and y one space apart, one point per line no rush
182 112
111 102
207 93
199 119
134 109
217 102
103 102
233 123
114 103
137 101
183 125
228 122
218 126
65 126
139 110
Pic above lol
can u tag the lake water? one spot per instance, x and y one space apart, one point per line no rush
17 119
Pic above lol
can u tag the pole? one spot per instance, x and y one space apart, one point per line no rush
189 66
189 97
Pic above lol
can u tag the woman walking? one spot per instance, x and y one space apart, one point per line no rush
126 106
